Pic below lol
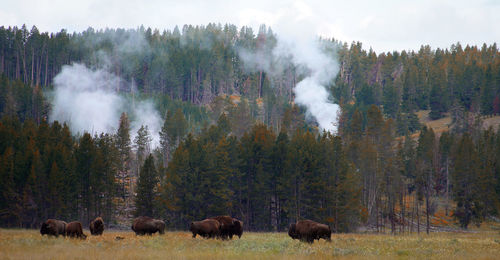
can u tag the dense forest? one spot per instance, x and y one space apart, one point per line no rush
233 142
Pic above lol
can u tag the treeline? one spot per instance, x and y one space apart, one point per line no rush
367 176
198 63
401 83
46 173
268 179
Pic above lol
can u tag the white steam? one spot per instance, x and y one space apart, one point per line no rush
321 68
296 30
146 114
86 99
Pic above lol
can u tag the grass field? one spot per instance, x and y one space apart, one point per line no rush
443 124
29 244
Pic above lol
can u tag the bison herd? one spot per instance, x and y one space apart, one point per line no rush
221 227
308 230
54 227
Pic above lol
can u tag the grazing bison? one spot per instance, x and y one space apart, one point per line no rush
146 225
53 227
74 229
229 227
207 228
96 226
237 228
308 230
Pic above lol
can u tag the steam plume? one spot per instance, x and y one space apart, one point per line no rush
86 99
299 44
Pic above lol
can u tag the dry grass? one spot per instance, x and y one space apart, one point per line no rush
439 126
442 125
28 244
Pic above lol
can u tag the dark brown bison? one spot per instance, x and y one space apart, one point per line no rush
308 230
207 228
229 227
237 228
53 227
96 226
74 229
146 225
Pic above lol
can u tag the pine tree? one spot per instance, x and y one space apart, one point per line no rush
445 148
9 199
391 100
488 92
142 142
124 150
219 194
85 156
146 188
425 169
173 131
464 180
279 181
165 145
436 102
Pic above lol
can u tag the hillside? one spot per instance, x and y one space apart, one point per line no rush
443 124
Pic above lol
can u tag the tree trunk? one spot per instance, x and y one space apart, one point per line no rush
18 66
427 210
46 69
32 66
447 188
418 219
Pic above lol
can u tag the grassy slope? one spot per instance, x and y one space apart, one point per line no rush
442 124
28 244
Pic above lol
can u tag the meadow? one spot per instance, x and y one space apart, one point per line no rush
29 244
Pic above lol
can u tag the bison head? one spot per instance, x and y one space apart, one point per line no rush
160 225
292 232
44 229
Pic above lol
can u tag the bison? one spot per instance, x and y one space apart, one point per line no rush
207 228
237 228
53 227
96 226
74 229
229 227
308 230
146 225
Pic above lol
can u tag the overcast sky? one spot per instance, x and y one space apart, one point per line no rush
384 25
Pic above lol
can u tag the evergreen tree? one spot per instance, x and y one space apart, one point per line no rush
124 152
146 188
425 169
9 202
85 156
436 102
464 181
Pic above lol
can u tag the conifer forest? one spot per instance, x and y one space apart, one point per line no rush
233 139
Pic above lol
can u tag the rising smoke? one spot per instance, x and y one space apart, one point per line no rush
87 100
